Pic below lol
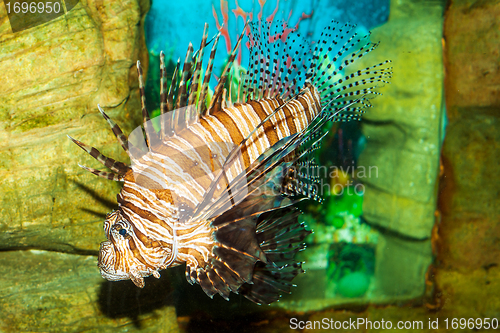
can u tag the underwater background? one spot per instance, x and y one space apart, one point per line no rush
409 229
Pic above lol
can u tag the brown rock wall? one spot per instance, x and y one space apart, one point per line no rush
53 77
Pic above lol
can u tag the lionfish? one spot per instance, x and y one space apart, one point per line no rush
215 186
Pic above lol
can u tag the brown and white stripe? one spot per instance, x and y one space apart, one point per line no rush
190 166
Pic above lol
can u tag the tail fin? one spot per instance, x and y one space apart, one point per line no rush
280 237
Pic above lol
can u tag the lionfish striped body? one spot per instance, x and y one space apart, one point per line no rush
214 188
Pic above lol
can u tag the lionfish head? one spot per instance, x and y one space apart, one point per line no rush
116 260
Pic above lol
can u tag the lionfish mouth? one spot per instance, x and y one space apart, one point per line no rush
113 276
106 263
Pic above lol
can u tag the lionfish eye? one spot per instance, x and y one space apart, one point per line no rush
122 232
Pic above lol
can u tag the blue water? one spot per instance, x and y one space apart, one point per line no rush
171 25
